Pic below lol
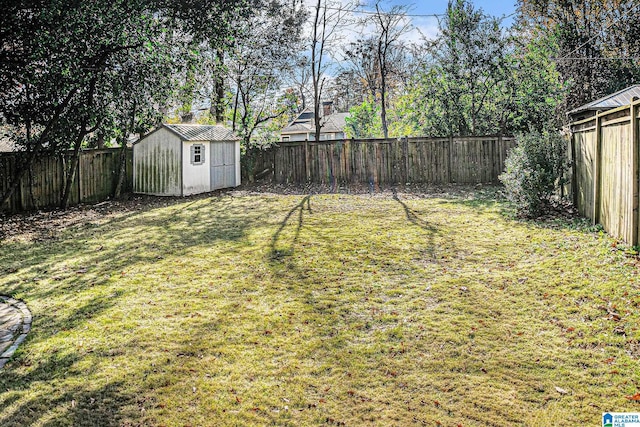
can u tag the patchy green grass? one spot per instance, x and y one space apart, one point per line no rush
245 309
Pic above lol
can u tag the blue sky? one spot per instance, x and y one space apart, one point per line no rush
496 8
428 25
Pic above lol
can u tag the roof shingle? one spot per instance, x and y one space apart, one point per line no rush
305 123
202 132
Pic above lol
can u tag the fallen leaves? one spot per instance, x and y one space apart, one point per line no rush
634 398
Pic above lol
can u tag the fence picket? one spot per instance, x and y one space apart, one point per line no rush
469 160
42 187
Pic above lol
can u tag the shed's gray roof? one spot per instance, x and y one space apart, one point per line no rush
202 132
618 99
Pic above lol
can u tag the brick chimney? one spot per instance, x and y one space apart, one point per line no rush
327 108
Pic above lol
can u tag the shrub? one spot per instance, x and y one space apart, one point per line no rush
534 170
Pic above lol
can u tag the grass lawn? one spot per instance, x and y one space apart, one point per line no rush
267 309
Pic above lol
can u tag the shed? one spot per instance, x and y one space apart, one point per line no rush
618 99
179 160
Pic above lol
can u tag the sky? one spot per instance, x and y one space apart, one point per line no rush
496 8
428 25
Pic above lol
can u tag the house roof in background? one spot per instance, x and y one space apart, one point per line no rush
7 145
304 123
618 99
202 132
334 122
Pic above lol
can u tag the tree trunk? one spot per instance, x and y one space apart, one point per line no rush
217 104
383 111
17 178
122 171
71 173
37 146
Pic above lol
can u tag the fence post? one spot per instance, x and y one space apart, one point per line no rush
78 176
572 165
596 170
634 173
500 157
405 158
306 160
449 155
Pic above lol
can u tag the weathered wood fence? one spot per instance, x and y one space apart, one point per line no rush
386 161
42 185
604 184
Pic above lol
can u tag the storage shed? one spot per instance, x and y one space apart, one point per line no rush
179 160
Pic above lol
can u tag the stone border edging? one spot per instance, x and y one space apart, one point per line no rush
20 307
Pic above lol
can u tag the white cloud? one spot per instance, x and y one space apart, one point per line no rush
424 26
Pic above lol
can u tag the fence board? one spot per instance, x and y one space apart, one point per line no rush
584 143
42 185
391 161
605 170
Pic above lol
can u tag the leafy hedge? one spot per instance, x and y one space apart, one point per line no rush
534 170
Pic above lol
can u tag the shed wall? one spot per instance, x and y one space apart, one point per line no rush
156 164
195 177
238 165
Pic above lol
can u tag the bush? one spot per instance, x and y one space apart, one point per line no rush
534 170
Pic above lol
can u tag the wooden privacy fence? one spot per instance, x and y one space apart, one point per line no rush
42 186
604 184
386 161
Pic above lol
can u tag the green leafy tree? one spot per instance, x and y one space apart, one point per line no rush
479 79
598 44
364 121
464 81
537 92
61 62
470 69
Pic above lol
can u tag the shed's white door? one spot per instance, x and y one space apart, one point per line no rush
223 165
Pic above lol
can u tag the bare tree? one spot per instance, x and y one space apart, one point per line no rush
328 18
362 60
300 80
381 54
390 26
257 65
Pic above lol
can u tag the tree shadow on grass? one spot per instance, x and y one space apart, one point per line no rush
414 218
276 252
27 402
558 215
143 238
73 279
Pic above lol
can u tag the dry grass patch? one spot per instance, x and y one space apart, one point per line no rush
247 309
